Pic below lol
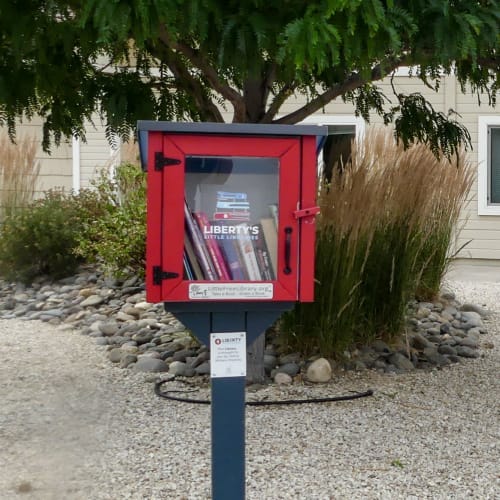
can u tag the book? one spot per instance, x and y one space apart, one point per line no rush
231 196
212 246
236 216
192 261
199 246
225 234
232 206
273 210
262 253
244 232
188 270
271 238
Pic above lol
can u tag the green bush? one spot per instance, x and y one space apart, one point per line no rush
40 239
117 238
104 224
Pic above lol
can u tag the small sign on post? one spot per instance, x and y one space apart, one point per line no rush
228 357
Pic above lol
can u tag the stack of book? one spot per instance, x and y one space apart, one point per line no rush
229 248
232 206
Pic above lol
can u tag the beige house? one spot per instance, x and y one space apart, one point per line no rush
74 163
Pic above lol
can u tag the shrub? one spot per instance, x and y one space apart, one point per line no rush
104 224
117 238
40 239
383 234
451 189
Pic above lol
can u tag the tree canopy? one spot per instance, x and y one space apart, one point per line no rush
187 59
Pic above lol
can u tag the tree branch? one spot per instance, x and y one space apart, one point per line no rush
352 82
225 90
194 87
277 102
492 62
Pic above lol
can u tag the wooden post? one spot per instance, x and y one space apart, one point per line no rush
255 360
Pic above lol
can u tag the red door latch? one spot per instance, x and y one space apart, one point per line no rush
306 212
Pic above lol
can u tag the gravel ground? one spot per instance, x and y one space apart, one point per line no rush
72 426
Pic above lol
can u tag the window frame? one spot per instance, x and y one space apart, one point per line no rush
483 165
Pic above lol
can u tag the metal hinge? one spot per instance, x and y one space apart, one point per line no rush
159 275
162 161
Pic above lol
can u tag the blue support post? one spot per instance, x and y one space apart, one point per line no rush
228 438
228 393
228 421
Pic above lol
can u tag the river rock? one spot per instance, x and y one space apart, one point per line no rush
290 368
115 355
87 292
127 360
92 301
422 312
469 341
419 342
471 319
108 328
319 371
401 362
143 337
447 349
201 358
203 369
121 316
434 357
282 378
177 368
270 362
467 352
380 346
293 357
467 307
150 364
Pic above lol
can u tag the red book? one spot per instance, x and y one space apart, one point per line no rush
199 245
213 247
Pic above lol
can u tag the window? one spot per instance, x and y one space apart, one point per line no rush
494 163
488 177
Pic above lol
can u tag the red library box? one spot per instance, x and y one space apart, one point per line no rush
230 211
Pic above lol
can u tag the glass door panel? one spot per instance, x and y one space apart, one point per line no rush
231 218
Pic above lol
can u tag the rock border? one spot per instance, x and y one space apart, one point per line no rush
144 337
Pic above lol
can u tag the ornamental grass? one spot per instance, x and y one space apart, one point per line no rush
387 222
19 170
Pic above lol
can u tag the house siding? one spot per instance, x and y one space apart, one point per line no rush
55 168
95 153
480 233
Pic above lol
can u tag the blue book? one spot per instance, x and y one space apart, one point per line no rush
232 257
227 242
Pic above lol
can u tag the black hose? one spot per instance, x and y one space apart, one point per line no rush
167 395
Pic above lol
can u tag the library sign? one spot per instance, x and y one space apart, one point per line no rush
241 291
230 246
